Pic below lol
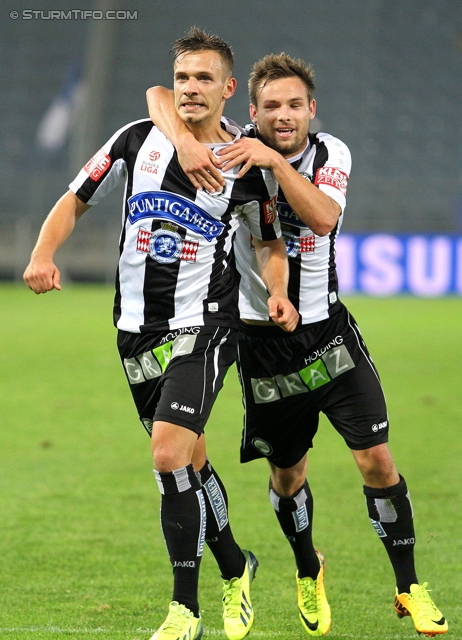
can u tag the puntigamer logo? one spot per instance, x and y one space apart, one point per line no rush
174 208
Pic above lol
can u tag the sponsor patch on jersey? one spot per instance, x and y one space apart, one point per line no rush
166 246
298 244
270 209
98 165
332 177
174 208
288 215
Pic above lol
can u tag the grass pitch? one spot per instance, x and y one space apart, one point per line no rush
81 553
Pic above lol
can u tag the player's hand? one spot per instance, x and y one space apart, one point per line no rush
42 276
198 163
249 151
283 313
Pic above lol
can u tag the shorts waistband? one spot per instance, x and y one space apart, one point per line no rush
272 330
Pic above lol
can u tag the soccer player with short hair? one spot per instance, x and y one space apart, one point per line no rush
176 310
324 365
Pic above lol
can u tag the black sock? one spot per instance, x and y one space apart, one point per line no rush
390 511
295 515
218 533
183 520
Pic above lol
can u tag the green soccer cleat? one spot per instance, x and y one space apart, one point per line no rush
426 617
180 624
237 609
313 607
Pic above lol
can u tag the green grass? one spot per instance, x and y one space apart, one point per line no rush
81 553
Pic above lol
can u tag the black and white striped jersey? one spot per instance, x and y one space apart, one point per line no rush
313 285
176 266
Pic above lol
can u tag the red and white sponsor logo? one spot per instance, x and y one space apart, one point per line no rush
142 242
154 155
307 244
188 250
98 165
332 177
270 210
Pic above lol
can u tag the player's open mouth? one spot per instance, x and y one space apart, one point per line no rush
192 105
284 133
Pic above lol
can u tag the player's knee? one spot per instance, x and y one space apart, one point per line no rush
286 482
377 466
167 458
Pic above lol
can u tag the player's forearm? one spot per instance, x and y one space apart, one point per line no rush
319 212
273 265
58 226
162 112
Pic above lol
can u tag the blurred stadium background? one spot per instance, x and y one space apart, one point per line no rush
389 81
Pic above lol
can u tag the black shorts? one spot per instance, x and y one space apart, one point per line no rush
288 378
175 375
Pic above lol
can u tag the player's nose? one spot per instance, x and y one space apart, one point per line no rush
191 86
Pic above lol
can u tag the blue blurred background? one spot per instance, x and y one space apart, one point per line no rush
388 83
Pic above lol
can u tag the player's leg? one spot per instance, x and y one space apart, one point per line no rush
292 501
273 398
218 534
182 511
237 566
356 406
157 367
390 510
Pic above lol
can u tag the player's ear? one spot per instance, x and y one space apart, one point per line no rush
312 109
230 88
253 113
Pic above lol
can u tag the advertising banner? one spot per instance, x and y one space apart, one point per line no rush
384 264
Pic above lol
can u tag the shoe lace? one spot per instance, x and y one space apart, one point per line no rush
309 595
232 597
174 620
426 605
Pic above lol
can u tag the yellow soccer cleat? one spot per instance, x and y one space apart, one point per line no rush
237 609
180 624
426 617
313 607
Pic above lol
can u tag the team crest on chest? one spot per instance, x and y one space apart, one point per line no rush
165 245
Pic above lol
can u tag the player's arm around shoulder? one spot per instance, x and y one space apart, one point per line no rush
248 152
316 209
196 160
41 274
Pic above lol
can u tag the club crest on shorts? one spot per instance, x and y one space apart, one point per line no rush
262 446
